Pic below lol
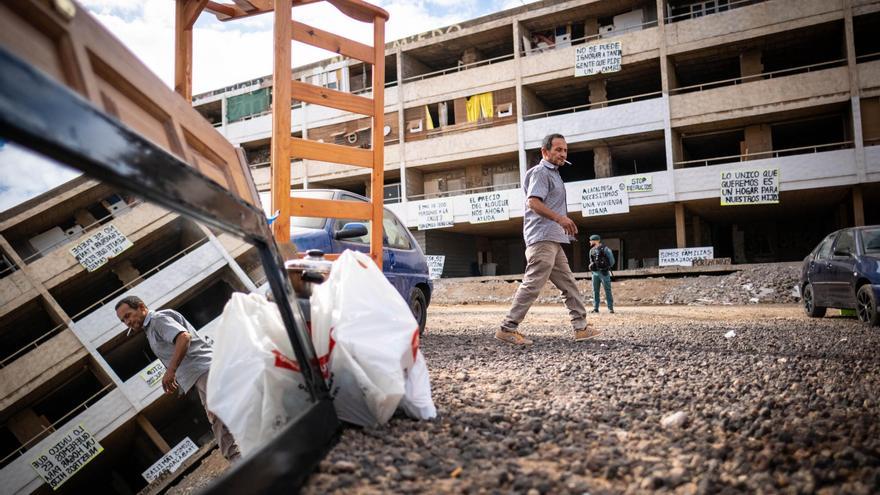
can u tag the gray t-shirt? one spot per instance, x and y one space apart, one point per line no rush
162 327
544 182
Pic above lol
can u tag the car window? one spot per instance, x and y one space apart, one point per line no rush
824 249
309 222
846 242
871 241
396 234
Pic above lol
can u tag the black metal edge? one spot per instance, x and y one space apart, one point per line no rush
48 118
286 461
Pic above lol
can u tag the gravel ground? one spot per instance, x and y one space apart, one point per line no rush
767 283
662 401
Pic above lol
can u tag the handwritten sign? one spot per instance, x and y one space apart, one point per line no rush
685 256
153 373
489 207
750 187
639 183
99 247
435 214
69 454
172 460
435 265
606 197
597 58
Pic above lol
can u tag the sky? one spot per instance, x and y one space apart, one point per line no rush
225 54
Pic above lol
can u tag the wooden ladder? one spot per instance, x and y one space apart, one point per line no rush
285 89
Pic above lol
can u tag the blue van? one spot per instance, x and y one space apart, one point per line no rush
403 262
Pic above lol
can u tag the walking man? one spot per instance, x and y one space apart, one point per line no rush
187 358
601 261
546 227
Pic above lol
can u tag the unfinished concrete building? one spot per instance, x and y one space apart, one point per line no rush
65 359
700 88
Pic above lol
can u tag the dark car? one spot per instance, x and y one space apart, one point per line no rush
403 262
843 271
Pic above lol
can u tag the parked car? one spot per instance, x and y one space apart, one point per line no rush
843 271
403 262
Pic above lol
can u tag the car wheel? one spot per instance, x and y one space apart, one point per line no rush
418 304
866 306
810 307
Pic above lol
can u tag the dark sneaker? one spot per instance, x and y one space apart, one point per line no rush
512 337
594 311
611 311
586 333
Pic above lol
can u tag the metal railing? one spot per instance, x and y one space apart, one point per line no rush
767 154
456 128
758 77
716 9
460 68
590 106
53 427
592 37
36 255
868 57
56 330
462 192
389 84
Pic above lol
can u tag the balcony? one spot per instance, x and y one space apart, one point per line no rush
24 371
478 77
170 278
468 142
872 162
788 89
869 73
633 115
15 290
800 168
638 45
746 19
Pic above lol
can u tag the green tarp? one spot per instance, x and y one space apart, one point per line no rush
241 106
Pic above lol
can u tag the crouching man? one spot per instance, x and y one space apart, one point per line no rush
187 358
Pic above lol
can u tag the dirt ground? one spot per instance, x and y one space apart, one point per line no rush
681 399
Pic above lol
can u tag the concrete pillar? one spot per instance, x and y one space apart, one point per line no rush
520 102
598 92
750 63
474 176
401 129
578 254
858 206
305 135
697 227
680 237
126 272
667 81
26 425
677 151
602 162
153 434
84 218
470 55
854 92
591 26
758 139
671 76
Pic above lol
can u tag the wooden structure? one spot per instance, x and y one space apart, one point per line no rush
285 147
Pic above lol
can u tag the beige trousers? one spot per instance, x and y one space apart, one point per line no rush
227 444
546 260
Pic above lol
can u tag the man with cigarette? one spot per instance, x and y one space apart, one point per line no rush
187 358
546 227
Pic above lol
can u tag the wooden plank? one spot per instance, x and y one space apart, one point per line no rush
281 122
325 152
183 51
331 98
331 42
331 208
360 10
378 173
192 11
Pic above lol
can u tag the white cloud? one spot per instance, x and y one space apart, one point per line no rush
42 174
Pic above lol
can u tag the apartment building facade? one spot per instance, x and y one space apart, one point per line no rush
68 367
694 91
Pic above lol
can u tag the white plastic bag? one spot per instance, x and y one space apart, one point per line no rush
360 321
417 402
254 385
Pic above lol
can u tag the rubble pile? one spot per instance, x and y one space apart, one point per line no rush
769 283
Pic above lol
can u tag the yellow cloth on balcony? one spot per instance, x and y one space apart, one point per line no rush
486 106
480 105
428 120
473 108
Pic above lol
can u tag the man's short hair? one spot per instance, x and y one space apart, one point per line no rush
133 302
547 143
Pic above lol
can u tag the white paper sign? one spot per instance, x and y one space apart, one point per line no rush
172 460
750 187
435 214
639 183
435 266
489 207
597 58
604 197
95 250
153 373
685 256
69 454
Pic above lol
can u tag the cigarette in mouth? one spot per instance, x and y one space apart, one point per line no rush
567 162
